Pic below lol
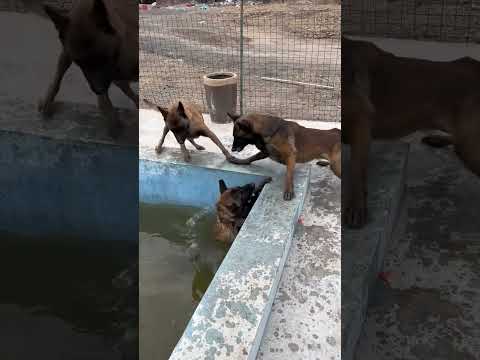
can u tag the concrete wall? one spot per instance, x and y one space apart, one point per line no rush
185 185
65 188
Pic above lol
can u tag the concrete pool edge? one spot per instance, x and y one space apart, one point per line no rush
232 316
38 188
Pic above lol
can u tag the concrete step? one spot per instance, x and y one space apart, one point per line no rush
363 250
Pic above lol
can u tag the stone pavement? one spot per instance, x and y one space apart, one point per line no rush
429 309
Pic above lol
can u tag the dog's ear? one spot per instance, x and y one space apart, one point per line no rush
163 111
234 117
245 125
181 110
101 18
59 19
222 186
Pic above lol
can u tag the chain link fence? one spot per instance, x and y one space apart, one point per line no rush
439 20
27 5
291 59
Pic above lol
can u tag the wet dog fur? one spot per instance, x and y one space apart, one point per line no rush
233 207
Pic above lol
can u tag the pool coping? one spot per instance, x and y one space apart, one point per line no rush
231 318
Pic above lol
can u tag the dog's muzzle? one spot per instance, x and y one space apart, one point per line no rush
238 145
236 148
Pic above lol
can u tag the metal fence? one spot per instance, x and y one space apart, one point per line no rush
439 20
291 60
26 5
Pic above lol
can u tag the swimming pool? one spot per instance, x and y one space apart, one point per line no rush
232 314
178 259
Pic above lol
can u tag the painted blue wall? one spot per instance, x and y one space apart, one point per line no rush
51 187
184 184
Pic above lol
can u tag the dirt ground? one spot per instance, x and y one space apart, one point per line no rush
297 41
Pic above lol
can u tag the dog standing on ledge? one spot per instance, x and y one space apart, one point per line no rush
233 207
101 37
285 142
186 122
385 96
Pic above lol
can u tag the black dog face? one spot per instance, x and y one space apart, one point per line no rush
242 133
235 202
233 208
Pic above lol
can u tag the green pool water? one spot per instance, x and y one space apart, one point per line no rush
178 259
60 297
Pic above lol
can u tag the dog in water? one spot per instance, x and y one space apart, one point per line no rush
233 207
385 96
101 37
285 142
185 121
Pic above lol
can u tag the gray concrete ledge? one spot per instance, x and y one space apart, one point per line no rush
305 322
72 122
63 177
363 250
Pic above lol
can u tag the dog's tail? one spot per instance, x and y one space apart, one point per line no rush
150 104
438 141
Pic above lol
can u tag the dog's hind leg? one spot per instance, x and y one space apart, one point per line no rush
198 147
107 109
438 140
45 105
159 147
336 159
127 90
357 113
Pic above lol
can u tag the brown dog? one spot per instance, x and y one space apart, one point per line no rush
233 207
386 96
285 142
186 122
101 37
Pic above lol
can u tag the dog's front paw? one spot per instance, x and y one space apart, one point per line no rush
158 149
45 108
232 159
187 157
288 195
